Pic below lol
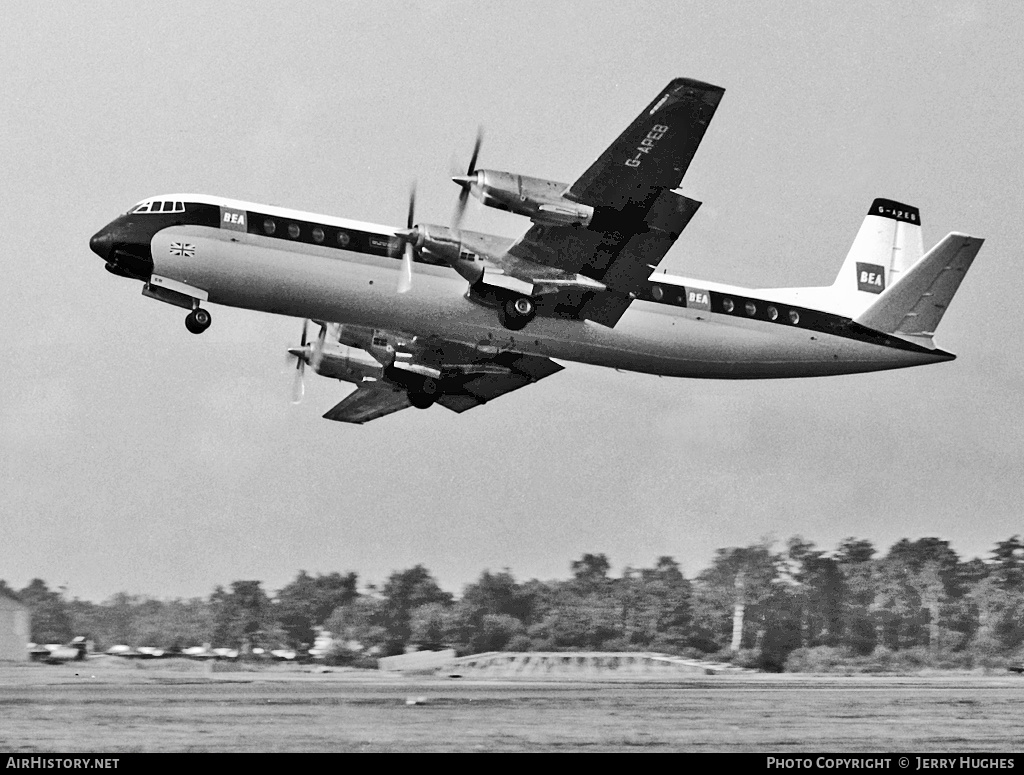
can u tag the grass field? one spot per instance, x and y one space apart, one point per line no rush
86 707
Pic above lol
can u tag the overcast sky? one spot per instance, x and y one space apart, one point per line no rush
135 456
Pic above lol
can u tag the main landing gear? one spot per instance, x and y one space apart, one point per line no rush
516 313
198 320
429 391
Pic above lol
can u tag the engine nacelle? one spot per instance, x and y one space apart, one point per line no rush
346 363
540 200
441 244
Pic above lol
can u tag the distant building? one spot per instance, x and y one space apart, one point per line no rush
14 629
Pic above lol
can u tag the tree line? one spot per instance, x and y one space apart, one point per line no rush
794 608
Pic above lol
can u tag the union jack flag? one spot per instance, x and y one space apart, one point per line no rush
186 249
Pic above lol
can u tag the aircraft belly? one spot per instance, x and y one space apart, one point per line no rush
702 344
244 271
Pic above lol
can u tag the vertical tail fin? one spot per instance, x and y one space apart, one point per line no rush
888 244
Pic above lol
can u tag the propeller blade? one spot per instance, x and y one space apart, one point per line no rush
301 355
317 354
466 181
460 208
300 360
405 273
412 206
476 152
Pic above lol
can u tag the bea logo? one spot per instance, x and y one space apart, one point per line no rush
232 219
870 277
698 298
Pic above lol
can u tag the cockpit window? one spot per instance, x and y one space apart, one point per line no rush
158 206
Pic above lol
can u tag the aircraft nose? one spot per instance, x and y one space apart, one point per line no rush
101 243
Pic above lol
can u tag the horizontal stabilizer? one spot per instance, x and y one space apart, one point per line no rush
914 305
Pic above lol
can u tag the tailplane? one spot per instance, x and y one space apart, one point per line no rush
912 307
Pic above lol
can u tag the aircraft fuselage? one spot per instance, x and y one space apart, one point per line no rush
305 265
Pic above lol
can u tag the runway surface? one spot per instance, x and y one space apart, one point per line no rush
89 707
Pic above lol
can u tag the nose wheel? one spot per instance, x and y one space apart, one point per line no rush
198 320
516 313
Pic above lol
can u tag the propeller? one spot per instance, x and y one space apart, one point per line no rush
301 355
405 274
467 180
304 354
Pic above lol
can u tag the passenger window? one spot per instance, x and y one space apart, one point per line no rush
794 317
343 238
750 308
318 234
727 305
773 313
293 230
269 226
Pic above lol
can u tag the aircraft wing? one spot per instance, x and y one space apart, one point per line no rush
470 378
637 217
473 389
654 152
369 401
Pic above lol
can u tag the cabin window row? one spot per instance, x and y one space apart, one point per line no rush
318 233
751 309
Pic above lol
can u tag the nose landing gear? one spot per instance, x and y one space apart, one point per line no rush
516 313
198 320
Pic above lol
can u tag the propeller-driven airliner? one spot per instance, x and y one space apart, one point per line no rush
430 314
